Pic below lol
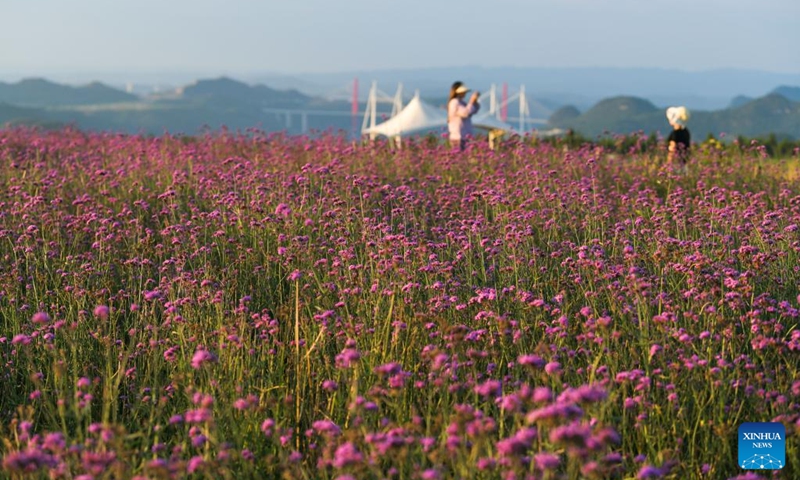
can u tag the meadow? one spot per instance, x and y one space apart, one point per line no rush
261 306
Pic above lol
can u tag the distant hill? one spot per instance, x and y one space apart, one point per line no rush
38 92
739 100
617 114
218 102
204 104
772 113
619 109
564 115
14 115
225 90
792 93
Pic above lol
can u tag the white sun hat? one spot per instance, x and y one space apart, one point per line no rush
678 115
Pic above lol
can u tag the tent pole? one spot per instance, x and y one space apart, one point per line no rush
367 109
373 111
398 100
492 101
522 109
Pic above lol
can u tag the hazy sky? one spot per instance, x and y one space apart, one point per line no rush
301 36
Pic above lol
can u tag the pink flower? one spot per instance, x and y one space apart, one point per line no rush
194 464
40 318
532 360
546 461
346 454
347 358
295 275
21 339
553 368
654 349
330 385
649 471
326 427
267 426
542 395
283 210
202 357
101 312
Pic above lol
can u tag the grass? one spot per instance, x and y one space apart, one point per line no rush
265 306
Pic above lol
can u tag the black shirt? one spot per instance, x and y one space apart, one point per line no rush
682 139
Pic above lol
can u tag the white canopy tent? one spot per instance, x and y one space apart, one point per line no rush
418 116
415 117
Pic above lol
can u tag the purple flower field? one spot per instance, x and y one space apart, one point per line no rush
261 306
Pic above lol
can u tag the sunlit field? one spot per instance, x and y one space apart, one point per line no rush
260 306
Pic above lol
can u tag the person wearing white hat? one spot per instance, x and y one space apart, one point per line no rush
459 114
679 142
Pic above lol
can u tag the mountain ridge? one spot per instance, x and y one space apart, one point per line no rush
225 101
770 114
39 92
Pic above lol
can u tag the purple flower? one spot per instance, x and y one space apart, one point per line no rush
194 464
655 348
151 295
553 368
266 427
542 395
583 394
347 358
330 385
101 312
202 357
531 360
326 427
21 339
40 318
171 354
427 443
747 476
554 412
649 471
573 434
346 454
388 369
283 210
54 442
517 445
546 461
28 461
199 440
295 275
199 415
430 474
489 388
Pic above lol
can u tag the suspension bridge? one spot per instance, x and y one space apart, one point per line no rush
499 100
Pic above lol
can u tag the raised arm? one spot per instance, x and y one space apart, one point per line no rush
463 111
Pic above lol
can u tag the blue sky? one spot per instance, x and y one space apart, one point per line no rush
237 37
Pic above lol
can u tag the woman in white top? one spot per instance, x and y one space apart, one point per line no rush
459 114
